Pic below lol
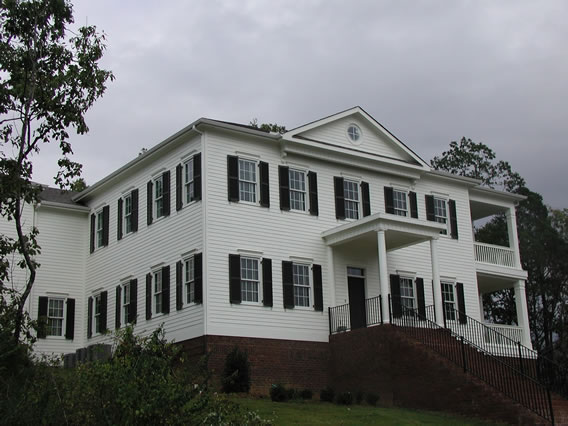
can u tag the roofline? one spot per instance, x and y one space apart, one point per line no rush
464 179
160 146
63 206
504 194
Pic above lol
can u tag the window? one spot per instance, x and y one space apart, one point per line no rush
354 133
100 229
189 280
250 282
126 303
159 197
351 194
55 317
97 313
301 280
407 294
157 291
441 213
297 190
449 301
247 180
399 202
188 181
127 202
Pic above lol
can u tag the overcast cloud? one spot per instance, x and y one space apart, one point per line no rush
429 71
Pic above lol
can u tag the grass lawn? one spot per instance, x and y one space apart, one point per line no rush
324 413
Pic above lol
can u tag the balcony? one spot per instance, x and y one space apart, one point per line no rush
494 255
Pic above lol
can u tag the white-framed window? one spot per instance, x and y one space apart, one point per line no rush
250 280
407 293
189 279
55 317
400 202
159 197
157 291
97 301
352 198
188 181
354 133
298 197
441 212
248 180
301 280
127 203
125 302
100 228
449 300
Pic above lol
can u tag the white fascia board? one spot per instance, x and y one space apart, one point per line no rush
63 206
484 194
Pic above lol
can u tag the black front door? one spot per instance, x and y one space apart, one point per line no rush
357 302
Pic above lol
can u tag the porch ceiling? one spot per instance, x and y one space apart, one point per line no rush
479 209
488 283
400 231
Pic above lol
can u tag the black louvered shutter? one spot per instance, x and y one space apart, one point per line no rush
166 289
42 317
134 215
430 215
395 296
104 311
119 220
117 308
198 277
166 185
288 284
339 197
70 320
235 278
389 200
93 219
179 187
197 177
461 304
453 219
366 199
148 296
264 184
420 297
106 217
284 184
90 317
267 282
179 285
313 183
233 177
318 288
133 306
149 189
413 205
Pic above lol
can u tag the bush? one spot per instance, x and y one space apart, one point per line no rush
306 394
372 398
344 398
278 393
327 394
236 374
359 397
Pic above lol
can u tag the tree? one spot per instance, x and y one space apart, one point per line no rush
267 127
50 77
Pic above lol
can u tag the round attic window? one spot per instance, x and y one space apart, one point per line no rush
354 133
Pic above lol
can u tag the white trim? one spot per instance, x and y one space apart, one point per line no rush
127 191
248 156
188 253
157 265
185 157
56 293
300 259
249 252
406 274
158 173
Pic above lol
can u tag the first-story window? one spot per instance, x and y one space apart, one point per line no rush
97 313
189 278
247 180
441 212
449 301
399 202
126 302
157 291
297 181
188 184
407 294
351 194
301 280
249 280
55 317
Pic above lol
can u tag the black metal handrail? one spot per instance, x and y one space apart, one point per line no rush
374 310
340 316
476 360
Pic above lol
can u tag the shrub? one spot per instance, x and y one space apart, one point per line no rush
372 398
306 394
278 393
327 394
344 398
236 374
359 397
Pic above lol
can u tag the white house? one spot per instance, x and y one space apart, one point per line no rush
224 232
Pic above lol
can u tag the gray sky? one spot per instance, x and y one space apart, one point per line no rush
429 71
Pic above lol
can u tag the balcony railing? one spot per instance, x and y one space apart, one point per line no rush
495 255
514 333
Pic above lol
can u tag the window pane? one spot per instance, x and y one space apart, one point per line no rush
249 280
301 280
407 293
399 201
351 195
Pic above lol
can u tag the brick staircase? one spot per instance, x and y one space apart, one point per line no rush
423 368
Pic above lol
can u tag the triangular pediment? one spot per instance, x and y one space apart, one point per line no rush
371 137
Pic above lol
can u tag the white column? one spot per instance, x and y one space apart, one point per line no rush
522 312
383 274
331 275
513 235
438 304
481 314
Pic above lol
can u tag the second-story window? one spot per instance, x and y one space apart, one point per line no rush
400 204
352 199
441 212
297 190
127 202
247 180
188 184
158 197
351 194
100 229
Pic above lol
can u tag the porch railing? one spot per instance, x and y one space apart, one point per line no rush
513 332
340 316
496 255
